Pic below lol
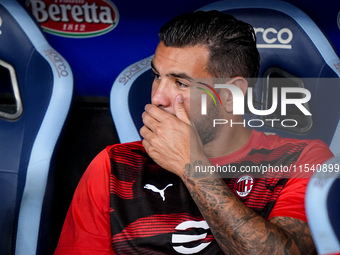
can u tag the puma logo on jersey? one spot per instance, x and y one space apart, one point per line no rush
155 189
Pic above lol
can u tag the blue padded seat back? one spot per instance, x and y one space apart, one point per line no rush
333 207
323 208
130 93
27 140
288 41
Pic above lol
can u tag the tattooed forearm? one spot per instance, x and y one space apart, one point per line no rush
237 228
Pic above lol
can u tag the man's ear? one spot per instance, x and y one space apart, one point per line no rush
227 97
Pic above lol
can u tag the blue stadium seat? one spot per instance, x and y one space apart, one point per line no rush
35 95
130 93
291 47
323 208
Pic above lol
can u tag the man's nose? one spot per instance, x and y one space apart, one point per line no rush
161 95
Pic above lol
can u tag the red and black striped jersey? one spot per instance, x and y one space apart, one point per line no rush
152 212
127 204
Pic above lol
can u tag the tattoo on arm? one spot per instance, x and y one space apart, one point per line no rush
299 232
237 228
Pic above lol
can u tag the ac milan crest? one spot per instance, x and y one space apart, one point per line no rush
244 185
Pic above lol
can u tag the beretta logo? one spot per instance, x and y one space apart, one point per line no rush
75 18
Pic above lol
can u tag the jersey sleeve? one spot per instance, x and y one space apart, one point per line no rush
291 201
86 228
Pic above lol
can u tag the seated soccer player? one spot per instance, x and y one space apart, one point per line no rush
156 196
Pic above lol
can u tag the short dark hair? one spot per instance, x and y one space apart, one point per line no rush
231 42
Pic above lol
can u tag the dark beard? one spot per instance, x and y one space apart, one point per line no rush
205 129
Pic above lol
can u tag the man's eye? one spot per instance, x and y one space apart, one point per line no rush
181 84
156 76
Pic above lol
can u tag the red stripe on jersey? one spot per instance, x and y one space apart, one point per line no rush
123 189
274 155
153 225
